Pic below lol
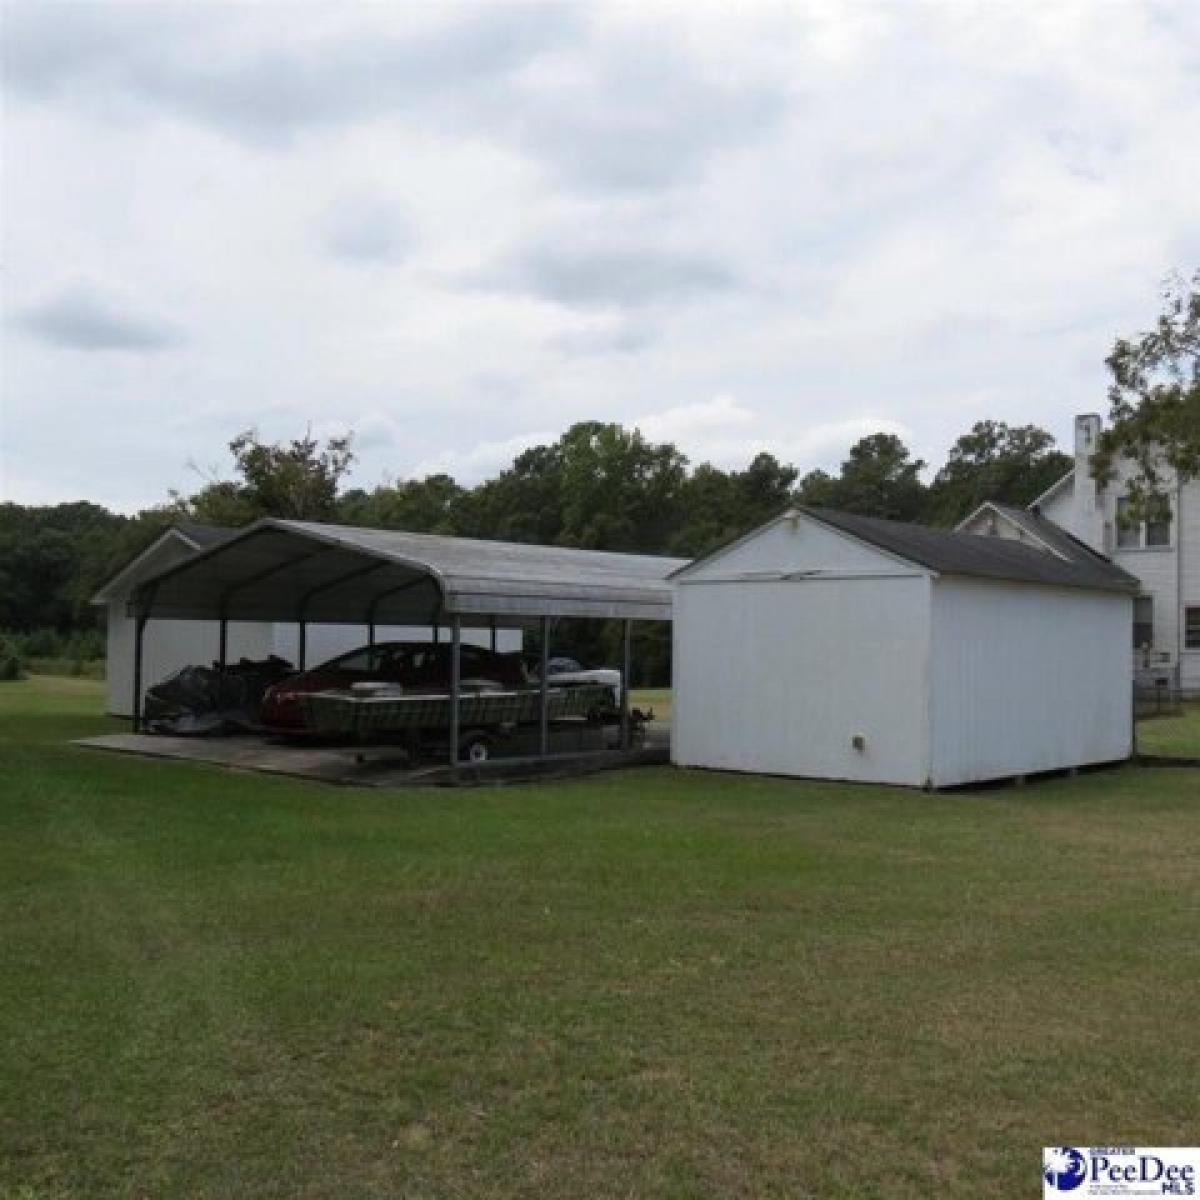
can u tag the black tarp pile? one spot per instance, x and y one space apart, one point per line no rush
199 700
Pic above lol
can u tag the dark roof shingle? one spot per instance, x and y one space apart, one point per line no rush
950 552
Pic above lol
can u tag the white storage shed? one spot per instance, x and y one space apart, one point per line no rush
835 646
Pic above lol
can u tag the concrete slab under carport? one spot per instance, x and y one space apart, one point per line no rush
381 766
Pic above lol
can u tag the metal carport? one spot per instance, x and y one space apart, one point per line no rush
279 570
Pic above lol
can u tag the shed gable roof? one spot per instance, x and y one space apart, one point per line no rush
772 551
951 552
187 535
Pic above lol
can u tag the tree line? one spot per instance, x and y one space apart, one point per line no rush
599 486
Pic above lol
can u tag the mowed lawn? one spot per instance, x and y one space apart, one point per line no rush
643 984
1175 736
652 700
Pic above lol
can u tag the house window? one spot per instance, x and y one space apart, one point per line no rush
1153 532
1191 628
1158 521
1129 531
1143 622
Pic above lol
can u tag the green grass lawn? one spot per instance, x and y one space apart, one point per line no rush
657 700
1174 736
649 983
87 669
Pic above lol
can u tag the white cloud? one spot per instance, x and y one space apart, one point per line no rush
82 319
611 277
829 442
729 434
367 230
267 76
720 431
744 227
605 337
481 460
721 415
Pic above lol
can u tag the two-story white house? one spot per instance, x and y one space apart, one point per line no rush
1163 551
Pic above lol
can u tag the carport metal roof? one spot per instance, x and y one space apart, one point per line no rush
278 570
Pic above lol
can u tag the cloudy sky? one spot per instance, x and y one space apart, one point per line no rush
457 229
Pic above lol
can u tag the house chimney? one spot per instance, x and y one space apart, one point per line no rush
1089 506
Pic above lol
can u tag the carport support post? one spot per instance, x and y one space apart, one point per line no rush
626 674
544 690
144 603
492 627
223 642
455 683
302 652
138 634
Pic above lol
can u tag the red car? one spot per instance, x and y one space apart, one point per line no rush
418 666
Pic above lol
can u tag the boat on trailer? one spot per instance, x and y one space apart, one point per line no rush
380 709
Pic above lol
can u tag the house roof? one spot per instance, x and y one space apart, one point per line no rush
1054 488
277 570
1061 541
950 552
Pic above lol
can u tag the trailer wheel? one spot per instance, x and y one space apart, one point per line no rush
476 747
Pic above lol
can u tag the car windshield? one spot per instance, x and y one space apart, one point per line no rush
385 656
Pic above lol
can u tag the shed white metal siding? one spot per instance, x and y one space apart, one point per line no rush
803 650
168 646
1027 679
790 644
780 677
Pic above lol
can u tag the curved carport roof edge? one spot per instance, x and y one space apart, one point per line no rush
142 599
534 580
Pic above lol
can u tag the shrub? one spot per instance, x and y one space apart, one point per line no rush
11 666
85 645
76 645
40 643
